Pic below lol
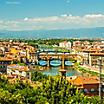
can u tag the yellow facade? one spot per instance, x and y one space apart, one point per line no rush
14 51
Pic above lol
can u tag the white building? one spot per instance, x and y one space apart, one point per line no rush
65 44
18 70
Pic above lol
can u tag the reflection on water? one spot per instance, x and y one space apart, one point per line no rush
55 63
68 63
42 63
52 71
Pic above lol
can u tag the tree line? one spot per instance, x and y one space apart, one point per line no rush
42 90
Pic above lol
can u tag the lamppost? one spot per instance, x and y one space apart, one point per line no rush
100 55
100 83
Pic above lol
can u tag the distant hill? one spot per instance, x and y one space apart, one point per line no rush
97 32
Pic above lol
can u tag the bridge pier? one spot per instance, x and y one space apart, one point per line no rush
90 63
63 63
48 62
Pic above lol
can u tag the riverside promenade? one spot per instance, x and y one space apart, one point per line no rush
91 68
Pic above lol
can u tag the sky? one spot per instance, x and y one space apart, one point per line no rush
51 14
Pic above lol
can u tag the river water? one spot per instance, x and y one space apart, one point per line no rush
53 71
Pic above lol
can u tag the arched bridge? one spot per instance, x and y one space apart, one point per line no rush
58 55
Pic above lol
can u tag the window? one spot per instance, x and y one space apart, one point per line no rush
85 90
103 89
81 90
92 89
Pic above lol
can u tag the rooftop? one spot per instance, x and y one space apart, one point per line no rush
18 67
79 80
97 54
6 59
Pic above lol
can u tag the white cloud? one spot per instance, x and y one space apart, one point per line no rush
25 19
94 16
44 19
54 22
13 2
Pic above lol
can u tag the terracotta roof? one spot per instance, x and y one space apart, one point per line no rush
6 59
79 80
91 50
18 67
8 53
96 54
12 76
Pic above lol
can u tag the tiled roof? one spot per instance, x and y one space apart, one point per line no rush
97 54
79 80
6 59
18 67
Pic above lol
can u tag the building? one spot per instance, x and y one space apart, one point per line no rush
4 62
17 70
65 44
94 59
87 85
